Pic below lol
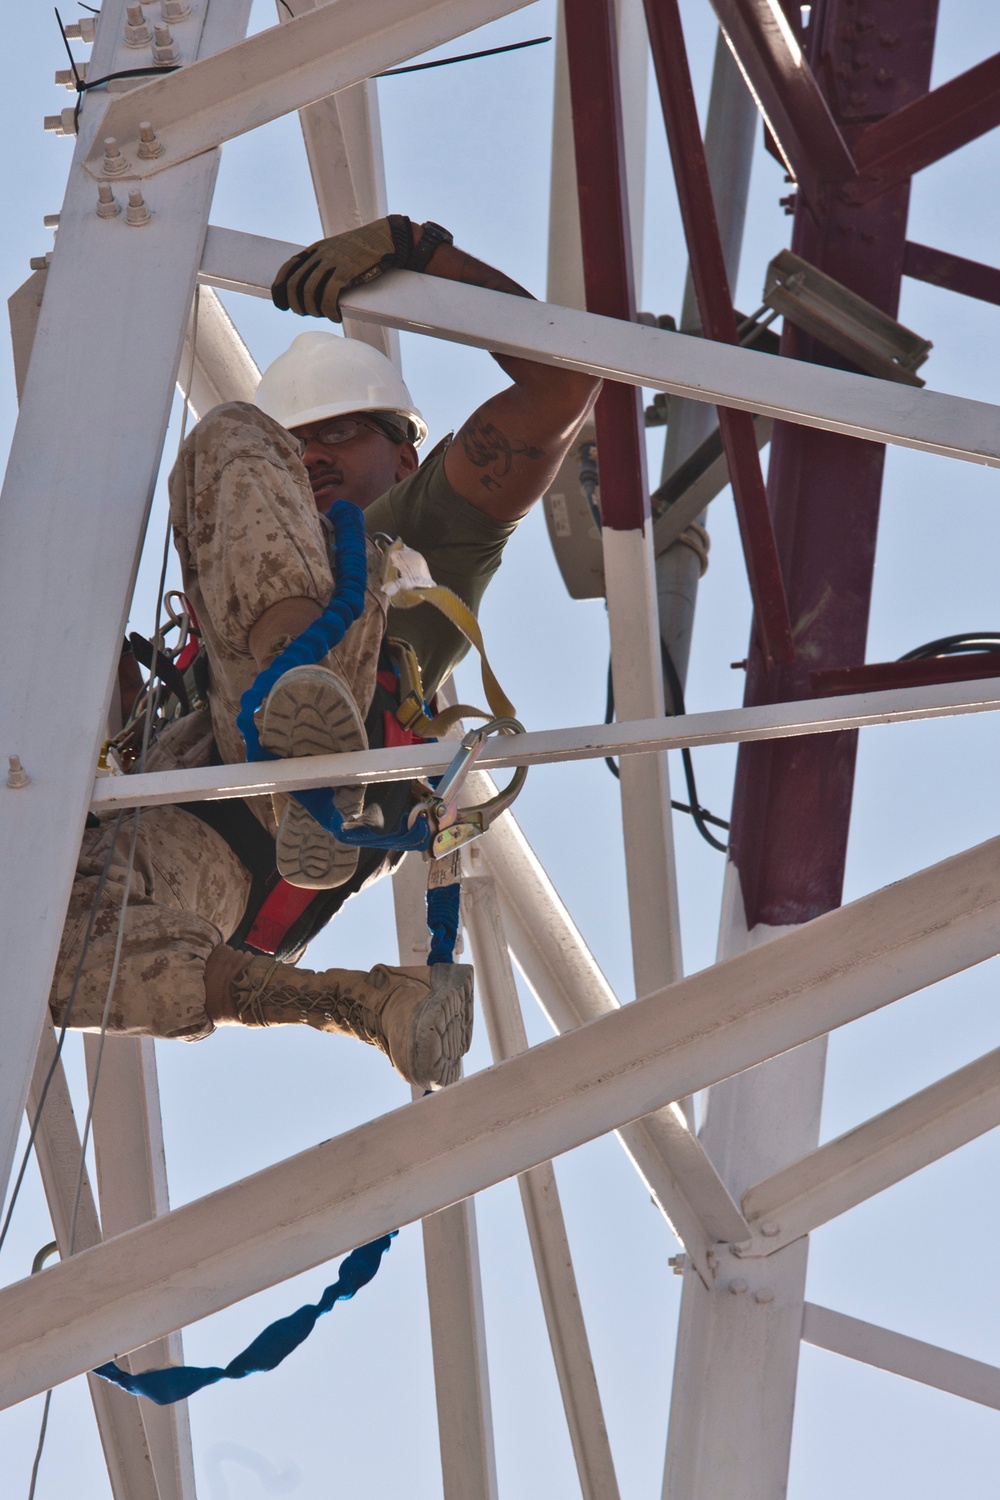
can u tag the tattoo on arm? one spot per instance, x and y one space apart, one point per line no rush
488 448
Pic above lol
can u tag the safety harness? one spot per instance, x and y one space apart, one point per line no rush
435 824
281 919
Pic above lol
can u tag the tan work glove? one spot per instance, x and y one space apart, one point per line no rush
311 282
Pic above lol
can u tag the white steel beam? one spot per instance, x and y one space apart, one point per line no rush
132 1189
123 1433
738 1341
546 747
644 784
223 369
912 1358
454 1279
873 1156
497 993
404 1165
568 984
72 517
343 140
881 411
279 70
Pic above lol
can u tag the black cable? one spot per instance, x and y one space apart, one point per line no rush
95 83
700 814
443 62
952 645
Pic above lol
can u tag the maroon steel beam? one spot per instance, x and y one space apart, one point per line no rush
792 801
787 93
880 676
715 308
592 54
929 128
953 272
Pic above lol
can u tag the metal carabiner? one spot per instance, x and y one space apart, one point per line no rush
454 826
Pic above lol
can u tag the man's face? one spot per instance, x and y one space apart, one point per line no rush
360 468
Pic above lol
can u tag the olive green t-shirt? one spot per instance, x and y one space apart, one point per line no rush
462 548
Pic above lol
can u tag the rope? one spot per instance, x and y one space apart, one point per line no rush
278 1340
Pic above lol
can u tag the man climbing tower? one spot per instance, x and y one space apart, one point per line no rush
332 420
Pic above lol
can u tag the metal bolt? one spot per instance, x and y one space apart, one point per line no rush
149 146
63 123
739 1286
39 262
677 1264
82 31
114 163
108 206
136 30
51 221
175 10
764 1296
17 776
165 49
770 1228
883 78
67 78
137 212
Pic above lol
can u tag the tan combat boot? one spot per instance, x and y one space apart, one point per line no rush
420 1018
310 711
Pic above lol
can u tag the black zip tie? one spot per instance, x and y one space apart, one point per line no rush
69 53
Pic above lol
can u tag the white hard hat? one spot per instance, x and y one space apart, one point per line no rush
324 375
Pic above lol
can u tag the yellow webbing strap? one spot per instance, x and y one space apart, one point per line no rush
411 714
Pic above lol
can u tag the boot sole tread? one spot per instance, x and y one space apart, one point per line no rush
312 713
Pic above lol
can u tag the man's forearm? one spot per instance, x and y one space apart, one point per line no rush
453 264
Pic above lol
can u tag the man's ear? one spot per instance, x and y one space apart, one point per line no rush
408 462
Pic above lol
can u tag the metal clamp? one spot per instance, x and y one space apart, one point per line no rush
453 825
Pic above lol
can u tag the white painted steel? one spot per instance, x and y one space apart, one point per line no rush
881 411
57 1148
650 871
404 1165
730 134
543 747
132 1189
454 1279
568 984
281 69
737 1353
72 516
497 992
458 1335
912 1358
224 369
870 1158
343 139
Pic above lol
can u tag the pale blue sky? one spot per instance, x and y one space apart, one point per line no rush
352 1413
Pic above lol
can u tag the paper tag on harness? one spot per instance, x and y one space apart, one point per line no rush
446 871
404 569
